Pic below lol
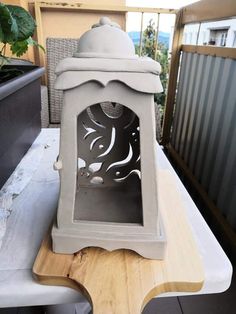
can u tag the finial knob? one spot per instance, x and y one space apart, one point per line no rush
106 21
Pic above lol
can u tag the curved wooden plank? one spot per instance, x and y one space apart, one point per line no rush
122 281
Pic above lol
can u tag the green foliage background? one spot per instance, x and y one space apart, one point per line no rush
149 49
16 28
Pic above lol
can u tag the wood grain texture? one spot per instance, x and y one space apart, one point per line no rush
208 10
223 52
173 76
101 7
40 39
122 281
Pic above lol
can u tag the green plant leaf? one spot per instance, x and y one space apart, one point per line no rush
1 34
3 61
25 22
9 29
16 28
19 47
32 42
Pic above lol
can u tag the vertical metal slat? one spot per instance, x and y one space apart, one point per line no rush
188 107
204 126
227 126
201 112
183 101
207 119
194 108
219 111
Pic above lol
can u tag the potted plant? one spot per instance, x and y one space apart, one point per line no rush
20 102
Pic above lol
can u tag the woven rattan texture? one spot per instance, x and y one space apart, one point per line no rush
57 49
44 107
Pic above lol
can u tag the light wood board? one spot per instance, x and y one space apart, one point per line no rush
122 281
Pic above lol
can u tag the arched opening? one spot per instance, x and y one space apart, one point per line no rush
109 171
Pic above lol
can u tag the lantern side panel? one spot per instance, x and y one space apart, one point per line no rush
109 173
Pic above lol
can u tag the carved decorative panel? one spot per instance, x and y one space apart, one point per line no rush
108 145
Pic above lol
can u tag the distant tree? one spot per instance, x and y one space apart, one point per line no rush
149 40
160 55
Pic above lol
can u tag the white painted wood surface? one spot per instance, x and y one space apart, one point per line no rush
32 214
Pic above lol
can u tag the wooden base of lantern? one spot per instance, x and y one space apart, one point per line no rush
122 281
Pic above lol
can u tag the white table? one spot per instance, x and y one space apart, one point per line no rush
32 214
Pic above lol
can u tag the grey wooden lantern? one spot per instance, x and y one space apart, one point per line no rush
107 161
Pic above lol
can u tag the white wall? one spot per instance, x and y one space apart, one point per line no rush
191 32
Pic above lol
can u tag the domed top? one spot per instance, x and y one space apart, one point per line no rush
105 40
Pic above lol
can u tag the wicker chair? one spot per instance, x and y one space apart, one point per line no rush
58 49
